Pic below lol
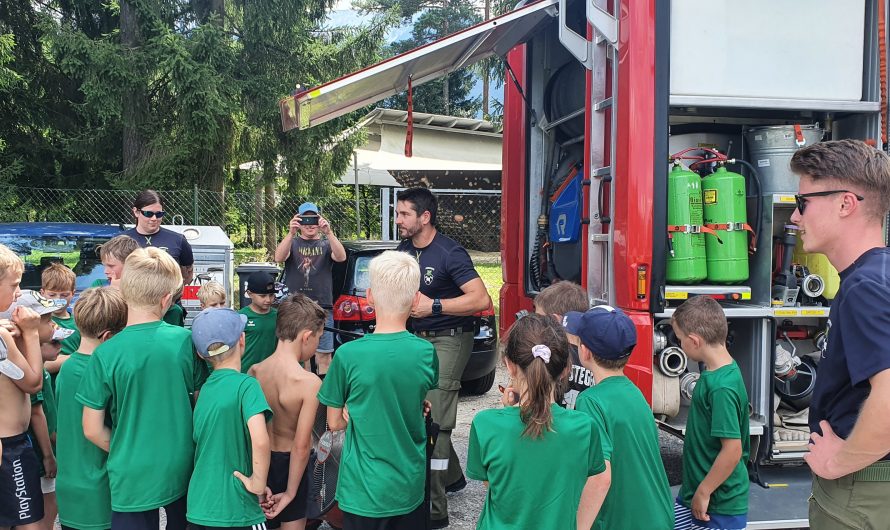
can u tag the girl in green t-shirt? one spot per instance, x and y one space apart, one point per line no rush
519 449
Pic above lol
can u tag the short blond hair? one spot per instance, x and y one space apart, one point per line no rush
10 262
118 247
100 309
149 275
211 292
395 278
57 277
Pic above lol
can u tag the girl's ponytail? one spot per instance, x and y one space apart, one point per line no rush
537 345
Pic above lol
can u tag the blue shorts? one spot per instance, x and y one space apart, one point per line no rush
326 344
683 520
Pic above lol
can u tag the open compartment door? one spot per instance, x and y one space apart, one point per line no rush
382 80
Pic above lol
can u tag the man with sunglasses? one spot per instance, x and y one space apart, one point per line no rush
148 232
843 200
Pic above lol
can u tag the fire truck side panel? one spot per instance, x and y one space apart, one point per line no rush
514 193
633 211
639 367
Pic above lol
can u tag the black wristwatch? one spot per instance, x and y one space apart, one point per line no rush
437 307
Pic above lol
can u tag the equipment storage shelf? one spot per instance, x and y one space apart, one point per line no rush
750 344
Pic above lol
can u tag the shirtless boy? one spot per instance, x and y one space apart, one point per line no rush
21 374
291 392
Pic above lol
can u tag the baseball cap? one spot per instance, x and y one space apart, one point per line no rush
217 325
307 207
7 367
606 331
39 303
261 282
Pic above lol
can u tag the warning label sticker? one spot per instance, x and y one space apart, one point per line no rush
710 196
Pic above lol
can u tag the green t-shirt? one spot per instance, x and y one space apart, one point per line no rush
46 397
175 315
383 378
82 487
100 282
143 377
259 337
533 483
639 496
223 445
719 410
70 344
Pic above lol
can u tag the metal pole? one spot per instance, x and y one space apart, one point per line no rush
358 213
195 204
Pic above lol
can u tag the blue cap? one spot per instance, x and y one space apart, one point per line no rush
307 207
607 332
217 325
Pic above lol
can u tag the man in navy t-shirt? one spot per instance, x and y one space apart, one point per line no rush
450 293
844 197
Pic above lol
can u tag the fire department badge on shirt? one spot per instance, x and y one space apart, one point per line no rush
428 275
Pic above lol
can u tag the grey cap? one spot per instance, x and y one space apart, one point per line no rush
217 325
39 303
7 367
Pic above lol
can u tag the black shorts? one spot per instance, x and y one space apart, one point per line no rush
261 526
151 519
279 468
21 499
414 520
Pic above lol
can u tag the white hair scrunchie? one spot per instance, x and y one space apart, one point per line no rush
541 351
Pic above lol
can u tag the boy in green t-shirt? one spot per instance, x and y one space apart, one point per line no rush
291 392
633 492
714 493
82 486
114 253
57 282
144 377
229 430
382 380
259 335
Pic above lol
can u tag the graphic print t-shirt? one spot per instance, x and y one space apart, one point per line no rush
308 270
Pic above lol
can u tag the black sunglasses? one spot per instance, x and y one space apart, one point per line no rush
801 198
150 214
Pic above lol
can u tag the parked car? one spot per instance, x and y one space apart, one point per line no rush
355 317
74 244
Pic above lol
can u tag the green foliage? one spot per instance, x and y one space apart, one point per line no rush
195 82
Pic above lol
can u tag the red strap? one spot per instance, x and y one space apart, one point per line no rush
409 135
798 136
730 226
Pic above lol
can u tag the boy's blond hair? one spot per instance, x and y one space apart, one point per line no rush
10 262
118 247
395 279
298 313
99 310
58 278
150 274
211 292
703 316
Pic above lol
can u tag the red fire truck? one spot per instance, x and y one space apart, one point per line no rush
645 155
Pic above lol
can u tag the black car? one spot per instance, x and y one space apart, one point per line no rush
355 317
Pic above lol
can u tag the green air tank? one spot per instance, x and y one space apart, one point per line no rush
686 263
723 195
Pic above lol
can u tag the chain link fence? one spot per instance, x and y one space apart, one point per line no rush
256 219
